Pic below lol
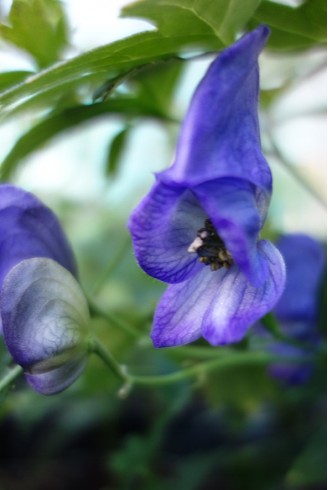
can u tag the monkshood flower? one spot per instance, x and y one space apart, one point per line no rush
297 309
198 228
29 229
45 323
43 310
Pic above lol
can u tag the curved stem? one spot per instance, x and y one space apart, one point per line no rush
240 359
202 353
233 359
113 319
10 377
97 347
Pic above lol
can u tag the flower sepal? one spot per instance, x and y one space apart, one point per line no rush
45 323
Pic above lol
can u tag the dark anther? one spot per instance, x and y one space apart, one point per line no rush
210 248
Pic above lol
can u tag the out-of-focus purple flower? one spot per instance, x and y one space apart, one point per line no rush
43 310
305 262
199 226
297 309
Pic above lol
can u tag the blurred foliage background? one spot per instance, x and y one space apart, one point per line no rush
90 107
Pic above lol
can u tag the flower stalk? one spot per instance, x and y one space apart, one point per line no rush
10 377
98 348
237 358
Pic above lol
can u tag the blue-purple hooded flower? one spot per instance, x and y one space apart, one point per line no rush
297 309
29 229
43 310
198 228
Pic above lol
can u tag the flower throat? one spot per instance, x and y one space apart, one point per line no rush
210 248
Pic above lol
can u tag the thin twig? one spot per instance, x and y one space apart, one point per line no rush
10 377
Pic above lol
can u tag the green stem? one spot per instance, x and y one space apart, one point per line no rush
105 90
221 362
196 352
10 377
240 359
113 319
97 347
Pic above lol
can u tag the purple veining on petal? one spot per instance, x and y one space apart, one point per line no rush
163 226
231 205
45 321
29 229
220 133
237 304
58 379
199 226
179 314
219 306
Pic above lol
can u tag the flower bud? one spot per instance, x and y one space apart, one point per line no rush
45 323
29 229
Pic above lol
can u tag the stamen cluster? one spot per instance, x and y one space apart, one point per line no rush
210 248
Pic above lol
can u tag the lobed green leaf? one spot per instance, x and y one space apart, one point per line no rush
182 25
38 27
294 28
222 18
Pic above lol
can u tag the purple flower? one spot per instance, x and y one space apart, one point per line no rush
43 310
305 263
29 229
297 309
198 228
45 323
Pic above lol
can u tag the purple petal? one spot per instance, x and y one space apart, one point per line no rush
238 304
179 314
59 377
29 229
305 261
231 205
45 322
163 226
219 305
220 134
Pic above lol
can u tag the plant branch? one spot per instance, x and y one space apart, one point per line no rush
113 319
10 377
221 362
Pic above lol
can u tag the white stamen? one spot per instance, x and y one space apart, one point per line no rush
194 246
203 234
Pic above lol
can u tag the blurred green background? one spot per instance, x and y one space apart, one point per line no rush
91 156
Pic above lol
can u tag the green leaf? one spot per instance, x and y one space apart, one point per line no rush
200 25
223 18
115 151
104 62
294 27
157 83
38 27
10 78
58 123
